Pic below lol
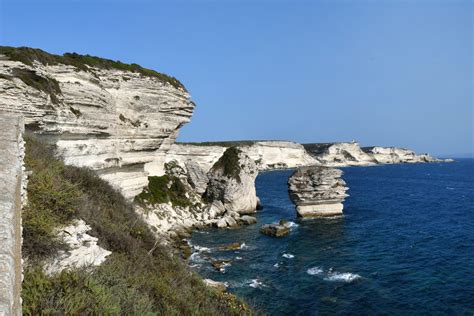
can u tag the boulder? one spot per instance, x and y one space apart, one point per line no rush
215 209
231 222
219 265
232 246
275 230
197 177
247 220
221 223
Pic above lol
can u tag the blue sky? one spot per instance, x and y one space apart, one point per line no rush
382 72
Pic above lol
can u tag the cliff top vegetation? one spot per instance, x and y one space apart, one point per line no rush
27 55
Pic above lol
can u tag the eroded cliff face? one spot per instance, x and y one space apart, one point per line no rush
188 197
351 154
113 121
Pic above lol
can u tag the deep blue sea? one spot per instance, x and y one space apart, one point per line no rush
405 246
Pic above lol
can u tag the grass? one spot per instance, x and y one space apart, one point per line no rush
27 55
228 163
53 202
140 277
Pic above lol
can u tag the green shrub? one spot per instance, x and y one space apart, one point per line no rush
228 163
52 202
27 55
164 189
140 277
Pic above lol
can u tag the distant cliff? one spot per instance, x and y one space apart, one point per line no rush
109 116
351 154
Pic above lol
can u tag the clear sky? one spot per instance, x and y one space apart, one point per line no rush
382 72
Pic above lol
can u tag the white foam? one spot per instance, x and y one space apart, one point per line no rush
201 248
244 246
292 224
197 265
196 258
238 258
276 265
255 283
314 271
224 265
288 255
342 277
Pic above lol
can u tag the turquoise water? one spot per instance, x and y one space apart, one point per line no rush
405 246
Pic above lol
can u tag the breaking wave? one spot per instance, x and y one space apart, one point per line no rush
342 277
314 271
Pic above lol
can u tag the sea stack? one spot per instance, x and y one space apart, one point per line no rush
317 191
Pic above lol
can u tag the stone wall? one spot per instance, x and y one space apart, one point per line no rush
12 197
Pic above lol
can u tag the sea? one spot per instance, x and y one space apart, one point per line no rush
404 246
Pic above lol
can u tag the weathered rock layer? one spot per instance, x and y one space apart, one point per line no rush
317 191
114 121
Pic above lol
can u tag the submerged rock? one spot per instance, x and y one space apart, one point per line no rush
276 230
232 246
317 191
219 265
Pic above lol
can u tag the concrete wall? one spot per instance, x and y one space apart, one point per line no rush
12 198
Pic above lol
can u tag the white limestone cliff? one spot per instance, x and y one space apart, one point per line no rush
268 155
228 191
113 121
392 155
351 154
